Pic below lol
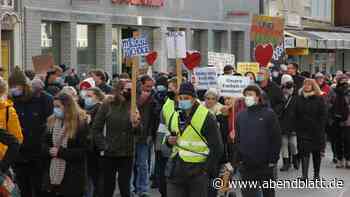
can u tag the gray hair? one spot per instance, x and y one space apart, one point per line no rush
212 92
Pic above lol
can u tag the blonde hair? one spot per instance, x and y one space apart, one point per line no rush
73 114
3 87
315 87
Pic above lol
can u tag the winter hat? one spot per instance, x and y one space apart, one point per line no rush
17 77
187 89
228 68
286 78
87 83
319 75
162 80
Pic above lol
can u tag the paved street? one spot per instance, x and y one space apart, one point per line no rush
328 171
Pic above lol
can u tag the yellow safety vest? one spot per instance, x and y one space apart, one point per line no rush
191 145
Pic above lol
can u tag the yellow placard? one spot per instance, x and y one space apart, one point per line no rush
244 67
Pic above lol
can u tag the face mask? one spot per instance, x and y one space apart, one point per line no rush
260 78
82 94
161 88
185 104
58 113
15 92
249 101
275 74
89 102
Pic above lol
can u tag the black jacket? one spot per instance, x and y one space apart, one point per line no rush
12 150
75 176
258 136
274 96
33 114
310 123
287 115
107 89
299 82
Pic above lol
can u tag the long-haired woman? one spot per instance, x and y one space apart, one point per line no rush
311 117
65 146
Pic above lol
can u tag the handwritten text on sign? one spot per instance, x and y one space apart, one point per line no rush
232 86
206 78
176 42
134 47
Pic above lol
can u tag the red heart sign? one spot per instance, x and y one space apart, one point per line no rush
263 54
151 57
192 60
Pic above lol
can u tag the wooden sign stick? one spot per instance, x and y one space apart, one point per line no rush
178 67
135 71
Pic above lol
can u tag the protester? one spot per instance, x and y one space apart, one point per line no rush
321 82
65 145
286 117
340 113
33 109
311 117
53 81
72 78
251 76
293 70
211 101
273 94
276 75
229 70
101 81
263 132
197 145
116 142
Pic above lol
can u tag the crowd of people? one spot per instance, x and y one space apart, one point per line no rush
68 136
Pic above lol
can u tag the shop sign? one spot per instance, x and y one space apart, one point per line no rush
321 44
297 52
340 44
289 42
152 3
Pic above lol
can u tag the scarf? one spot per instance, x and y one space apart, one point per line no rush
58 165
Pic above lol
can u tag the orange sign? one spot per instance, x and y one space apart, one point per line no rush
42 63
155 3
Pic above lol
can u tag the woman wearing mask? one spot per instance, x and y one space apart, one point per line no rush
54 81
114 129
311 117
289 138
33 109
92 103
65 146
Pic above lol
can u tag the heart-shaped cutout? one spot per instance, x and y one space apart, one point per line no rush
151 57
192 60
263 54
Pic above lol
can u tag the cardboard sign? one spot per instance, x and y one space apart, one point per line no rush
220 60
232 86
244 67
135 47
176 42
205 78
42 63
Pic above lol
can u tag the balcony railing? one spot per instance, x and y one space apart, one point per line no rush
7 4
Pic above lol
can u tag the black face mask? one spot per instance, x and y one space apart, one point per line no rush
127 95
171 95
288 85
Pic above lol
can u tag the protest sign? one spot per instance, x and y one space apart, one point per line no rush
42 63
135 47
176 42
244 67
205 78
232 85
220 60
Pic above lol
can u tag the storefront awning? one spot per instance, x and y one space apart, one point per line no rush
320 40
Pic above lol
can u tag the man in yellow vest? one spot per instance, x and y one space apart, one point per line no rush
196 144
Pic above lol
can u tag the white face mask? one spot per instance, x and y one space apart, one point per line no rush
249 101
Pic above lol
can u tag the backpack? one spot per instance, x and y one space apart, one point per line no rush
340 109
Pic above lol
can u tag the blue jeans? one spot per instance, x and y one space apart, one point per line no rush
141 174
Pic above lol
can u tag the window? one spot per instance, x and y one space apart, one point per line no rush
82 36
46 35
7 3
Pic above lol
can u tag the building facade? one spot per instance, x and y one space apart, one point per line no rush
88 33
10 35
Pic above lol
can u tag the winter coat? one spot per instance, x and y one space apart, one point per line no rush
10 122
33 114
299 82
287 115
274 96
258 136
107 89
335 97
310 121
149 119
119 139
75 177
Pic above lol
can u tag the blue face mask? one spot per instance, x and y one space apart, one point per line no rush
15 92
260 78
161 88
58 113
89 102
185 104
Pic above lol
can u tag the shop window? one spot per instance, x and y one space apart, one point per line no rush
82 36
7 3
51 39
86 47
46 35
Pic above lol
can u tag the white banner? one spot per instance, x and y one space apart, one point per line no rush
176 42
232 86
220 60
205 78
